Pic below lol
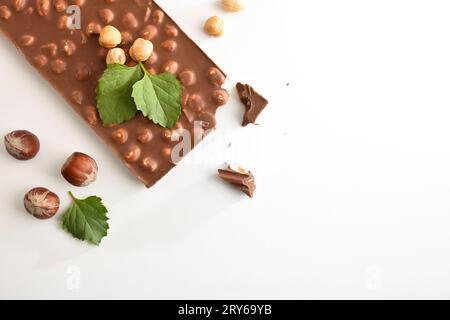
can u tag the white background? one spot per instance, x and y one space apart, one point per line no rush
352 160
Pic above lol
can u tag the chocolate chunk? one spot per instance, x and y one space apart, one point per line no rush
72 61
239 177
253 101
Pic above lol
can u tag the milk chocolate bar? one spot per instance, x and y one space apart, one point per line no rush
72 62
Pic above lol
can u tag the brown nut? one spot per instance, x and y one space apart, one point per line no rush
82 72
120 135
93 28
169 45
130 21
216 77
60 5
5 13
220 97
214 26
22 144
149 32
116 55
19 5
232 5
141 50
58 66
110 37
132 154
158 16
68 47
26 40
43 7
41 203
126 38
144 135
187 78
106 15
40 60
149 164
80 169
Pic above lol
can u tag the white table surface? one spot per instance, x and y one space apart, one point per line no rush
352 160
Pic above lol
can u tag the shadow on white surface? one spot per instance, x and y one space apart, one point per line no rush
173 221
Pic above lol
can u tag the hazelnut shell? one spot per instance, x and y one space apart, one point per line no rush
80 169
22 144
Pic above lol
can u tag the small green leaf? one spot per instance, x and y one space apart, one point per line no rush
159 98
114 101
86 219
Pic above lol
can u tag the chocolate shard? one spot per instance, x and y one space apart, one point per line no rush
239 177
253 101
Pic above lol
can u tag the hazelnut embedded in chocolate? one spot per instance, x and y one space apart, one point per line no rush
171 31
220 97
169 45
187 78
60 5
43 7
214 26
93 28
58 66
82 72
19 5
120 135
116 55
106 15
216 77
170 66
144 135
129 20
5 13
149 32
68 47
149 164
158 16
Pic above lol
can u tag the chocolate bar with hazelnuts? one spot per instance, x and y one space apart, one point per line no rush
60 38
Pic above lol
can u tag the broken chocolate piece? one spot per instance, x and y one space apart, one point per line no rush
253 101
241 178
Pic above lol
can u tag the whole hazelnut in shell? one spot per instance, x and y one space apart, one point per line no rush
41 203
80 169
22 144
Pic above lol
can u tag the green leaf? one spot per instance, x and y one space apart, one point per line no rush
159 98
114 101
86 219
